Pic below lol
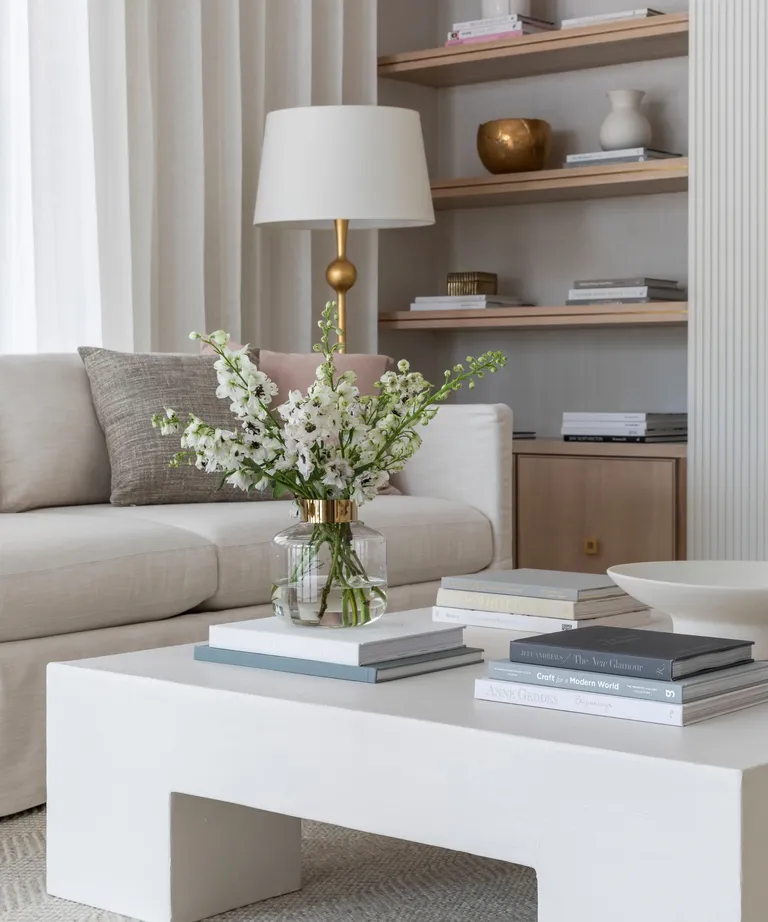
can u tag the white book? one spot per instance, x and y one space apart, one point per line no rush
513 28
394 637
587 294
624 417
597 155
489 602
462 305
654 712
467 299
608 17
533 625
501 21
589 428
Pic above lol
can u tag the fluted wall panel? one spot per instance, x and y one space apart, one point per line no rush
728 335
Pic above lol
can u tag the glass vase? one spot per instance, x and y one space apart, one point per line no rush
329 570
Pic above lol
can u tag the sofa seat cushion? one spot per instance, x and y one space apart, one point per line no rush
77 569
426 539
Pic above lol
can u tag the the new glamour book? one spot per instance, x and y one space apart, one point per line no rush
397 635
625 651
694 688
377 672
539 584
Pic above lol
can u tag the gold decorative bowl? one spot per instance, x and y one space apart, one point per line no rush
514 145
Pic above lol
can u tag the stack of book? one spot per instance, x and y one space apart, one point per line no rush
608 157
465 302
394 648
625 427
536 601
608 17
513 25
638 290
650 676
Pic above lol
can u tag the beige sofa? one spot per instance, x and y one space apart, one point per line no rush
81 578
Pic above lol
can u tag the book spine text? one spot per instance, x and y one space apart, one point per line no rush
646 667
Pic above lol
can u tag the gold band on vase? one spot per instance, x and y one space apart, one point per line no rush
328 511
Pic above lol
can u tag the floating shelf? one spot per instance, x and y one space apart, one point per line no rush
599 45
572 184
601 449
667 313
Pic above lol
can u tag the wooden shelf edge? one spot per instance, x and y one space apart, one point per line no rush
601 449
549 52
673 313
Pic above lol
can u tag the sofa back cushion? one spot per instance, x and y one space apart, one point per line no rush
52 449
296 370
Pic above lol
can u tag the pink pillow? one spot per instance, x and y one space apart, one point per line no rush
295 371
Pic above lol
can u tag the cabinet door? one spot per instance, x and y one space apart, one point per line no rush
587 514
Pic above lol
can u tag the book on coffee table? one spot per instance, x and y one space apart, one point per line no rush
377 672
538 584
394 637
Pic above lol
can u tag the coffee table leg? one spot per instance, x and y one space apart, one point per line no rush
120 838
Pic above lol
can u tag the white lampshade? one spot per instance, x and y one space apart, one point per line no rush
365 164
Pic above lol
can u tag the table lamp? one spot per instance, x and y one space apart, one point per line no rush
343 167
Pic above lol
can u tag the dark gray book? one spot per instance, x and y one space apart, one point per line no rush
640 281
376 672
625 651
626 439
684 691
538 584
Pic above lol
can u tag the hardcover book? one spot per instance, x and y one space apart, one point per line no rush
624 651
666 294
531 624
647 153
396 636
376 672
642 13
694 688
625 417
625 439
533 606
538 584
637 282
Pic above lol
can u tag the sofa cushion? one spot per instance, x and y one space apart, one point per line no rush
52 449
128 389
76 569
295 371
426 539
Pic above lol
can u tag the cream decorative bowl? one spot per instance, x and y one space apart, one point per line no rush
721 598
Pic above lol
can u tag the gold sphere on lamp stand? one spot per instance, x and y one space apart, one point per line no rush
341 275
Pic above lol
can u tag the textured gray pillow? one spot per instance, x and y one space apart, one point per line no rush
127 389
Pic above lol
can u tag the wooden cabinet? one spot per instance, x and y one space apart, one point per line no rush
589 507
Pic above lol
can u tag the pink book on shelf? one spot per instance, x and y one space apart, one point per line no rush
495 37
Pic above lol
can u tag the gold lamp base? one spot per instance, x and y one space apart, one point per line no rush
341 276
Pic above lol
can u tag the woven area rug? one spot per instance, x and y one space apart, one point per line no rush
348 877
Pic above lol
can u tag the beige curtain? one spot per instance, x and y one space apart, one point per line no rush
130 160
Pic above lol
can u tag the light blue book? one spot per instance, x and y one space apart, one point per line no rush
377 672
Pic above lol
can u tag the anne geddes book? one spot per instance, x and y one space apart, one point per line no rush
395 636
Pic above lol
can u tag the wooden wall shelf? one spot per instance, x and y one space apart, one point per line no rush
672 313
600 450
552 52
572 184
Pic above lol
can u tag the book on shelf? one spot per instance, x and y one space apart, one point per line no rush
640 281
538 584
604 302
394 637
498 29
376 672
577 416
532 624
626 439
502 21
481 39
655 712
576 21
637 291
629 153
625 651
536 607
523 435
683 691
465 302
585 428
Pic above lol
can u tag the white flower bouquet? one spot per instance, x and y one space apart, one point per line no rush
329 444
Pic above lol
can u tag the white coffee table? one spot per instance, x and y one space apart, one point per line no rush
175 790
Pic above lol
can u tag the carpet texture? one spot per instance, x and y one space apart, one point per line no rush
347 877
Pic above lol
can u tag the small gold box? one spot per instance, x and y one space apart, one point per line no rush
472 283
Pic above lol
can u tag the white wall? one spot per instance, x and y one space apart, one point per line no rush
539 250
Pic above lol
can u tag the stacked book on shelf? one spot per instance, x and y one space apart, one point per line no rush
466 302
628 155
637 290
396 647
635 428
577 21
512 25
649 676
536 601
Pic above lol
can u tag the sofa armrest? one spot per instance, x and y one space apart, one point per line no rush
466 456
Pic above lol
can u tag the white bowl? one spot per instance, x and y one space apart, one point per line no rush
722 598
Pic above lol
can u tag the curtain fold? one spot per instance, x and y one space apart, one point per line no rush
130 160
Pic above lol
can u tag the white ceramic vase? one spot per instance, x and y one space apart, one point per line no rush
626 126
493 8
